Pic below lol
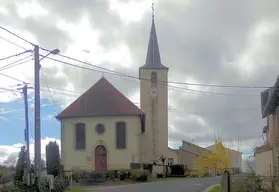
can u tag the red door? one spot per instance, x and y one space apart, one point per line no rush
100 158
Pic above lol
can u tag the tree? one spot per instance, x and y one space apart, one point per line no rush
21 162
52 158
11 160
218 160
163 159
249 164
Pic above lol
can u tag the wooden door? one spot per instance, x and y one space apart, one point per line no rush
100 158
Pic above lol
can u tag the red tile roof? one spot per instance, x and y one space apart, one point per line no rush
263 148
101 99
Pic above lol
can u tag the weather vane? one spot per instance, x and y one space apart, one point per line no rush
153 10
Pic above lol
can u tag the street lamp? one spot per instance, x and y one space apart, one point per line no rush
54 52
37 111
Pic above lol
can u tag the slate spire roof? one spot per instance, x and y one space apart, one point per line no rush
102 99
153 58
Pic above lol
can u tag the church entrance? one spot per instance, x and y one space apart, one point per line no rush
100 158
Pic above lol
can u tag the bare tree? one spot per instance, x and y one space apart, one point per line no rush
249 164
11 160
163 159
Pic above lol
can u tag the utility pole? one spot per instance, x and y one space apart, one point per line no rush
37 110
37 116
24 90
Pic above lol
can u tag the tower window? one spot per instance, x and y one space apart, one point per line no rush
153 77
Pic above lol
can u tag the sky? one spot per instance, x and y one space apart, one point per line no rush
202 42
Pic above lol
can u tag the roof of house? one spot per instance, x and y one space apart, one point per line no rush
225 148
263 148
195 152
102 99
153 58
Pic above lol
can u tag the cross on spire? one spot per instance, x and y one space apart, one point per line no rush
153 10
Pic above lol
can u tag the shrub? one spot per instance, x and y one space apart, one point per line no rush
10 187
244 185
112 174
77 175
17 187
44 184
60 184
6 179
177 169
139 175
159 175
122 175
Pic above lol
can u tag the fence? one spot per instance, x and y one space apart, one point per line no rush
249 183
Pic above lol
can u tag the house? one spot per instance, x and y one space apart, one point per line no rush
189 152
235 158
173 156
103 130
267 155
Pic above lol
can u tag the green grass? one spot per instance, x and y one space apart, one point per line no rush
70 190
217 189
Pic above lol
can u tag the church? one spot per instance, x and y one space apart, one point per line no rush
103 130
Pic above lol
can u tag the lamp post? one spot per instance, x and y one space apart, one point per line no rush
37 110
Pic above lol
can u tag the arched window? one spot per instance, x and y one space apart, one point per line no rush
153 78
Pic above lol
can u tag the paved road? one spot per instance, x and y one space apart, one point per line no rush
184 185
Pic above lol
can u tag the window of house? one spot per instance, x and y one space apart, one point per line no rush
170 161
121 135
80 136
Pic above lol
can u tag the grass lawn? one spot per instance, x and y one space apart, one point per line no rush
165 179
217 189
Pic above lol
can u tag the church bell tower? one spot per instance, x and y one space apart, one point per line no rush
154 100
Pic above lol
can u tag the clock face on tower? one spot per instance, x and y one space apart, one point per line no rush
153 92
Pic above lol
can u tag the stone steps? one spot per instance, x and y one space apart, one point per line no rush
93 178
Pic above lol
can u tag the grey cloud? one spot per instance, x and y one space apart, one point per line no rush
203 40
43 29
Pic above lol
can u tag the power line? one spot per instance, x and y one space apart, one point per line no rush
127 76
6 89
23 39
78 93
170 107
136 103
89 64
115 72
12 43
15 63
11 56
47 84
171 87
11 77
170 82
16 110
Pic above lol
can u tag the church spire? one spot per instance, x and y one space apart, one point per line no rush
153 59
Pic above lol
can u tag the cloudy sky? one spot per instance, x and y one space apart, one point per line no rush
202 42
